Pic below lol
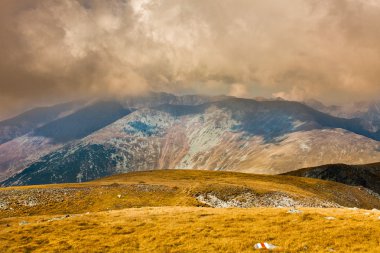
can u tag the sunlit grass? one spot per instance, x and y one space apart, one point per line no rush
178 188
158 212
195 229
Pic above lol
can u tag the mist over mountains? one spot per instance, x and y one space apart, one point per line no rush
81 141
326 50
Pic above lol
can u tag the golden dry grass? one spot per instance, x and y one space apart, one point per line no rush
168 220
178 187
195 229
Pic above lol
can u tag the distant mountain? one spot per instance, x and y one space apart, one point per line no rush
83 122
190 132
367 175
26 122
59 128
153 99
371 117
367 112
18 153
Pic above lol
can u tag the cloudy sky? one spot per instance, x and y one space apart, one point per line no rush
58 50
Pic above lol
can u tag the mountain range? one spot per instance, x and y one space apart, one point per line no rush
82 141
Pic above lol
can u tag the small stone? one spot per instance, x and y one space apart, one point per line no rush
330 218
294 211
119 196
22 223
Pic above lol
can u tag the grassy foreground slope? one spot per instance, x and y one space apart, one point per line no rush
194 229
181 188
169 211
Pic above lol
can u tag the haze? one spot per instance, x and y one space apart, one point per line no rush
59 50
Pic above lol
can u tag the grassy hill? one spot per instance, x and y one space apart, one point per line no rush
170 211
181 188
366 175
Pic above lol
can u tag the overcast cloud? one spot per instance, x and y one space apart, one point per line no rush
57 50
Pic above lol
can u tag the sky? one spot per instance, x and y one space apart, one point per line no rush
60 50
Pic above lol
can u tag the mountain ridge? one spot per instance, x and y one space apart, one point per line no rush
186 132
367 175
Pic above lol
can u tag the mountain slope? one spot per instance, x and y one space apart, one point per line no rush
367 175
268 137
83 122
181 188
20 152
26 122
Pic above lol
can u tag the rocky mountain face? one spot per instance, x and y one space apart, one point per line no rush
163 131
18 153
367 175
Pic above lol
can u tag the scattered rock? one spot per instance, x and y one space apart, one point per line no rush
22 223
293 210
372 193
55 219
19 199
30 201
119 196
250 199
59 218
3 205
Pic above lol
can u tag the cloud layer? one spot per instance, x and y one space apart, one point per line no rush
62 49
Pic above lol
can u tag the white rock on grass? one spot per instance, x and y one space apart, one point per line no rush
3 206
22 223
294 211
